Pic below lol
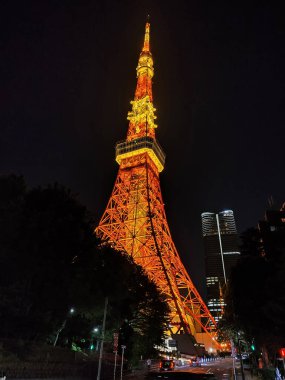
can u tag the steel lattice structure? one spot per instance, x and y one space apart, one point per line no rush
135 221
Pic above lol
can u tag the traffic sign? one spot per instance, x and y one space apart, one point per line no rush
116 339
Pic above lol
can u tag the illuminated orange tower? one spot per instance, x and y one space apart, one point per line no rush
135 221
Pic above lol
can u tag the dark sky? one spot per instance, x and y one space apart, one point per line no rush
68 75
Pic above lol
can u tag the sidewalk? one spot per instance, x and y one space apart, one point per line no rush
138 374
248 375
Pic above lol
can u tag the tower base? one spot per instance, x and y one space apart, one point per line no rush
187 345
209 342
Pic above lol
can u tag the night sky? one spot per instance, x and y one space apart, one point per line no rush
68 75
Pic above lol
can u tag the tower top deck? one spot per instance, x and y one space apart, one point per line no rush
141 132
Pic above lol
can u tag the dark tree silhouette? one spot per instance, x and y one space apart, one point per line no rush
255 295
51 261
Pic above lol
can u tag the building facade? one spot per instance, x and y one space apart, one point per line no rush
272 233
220 240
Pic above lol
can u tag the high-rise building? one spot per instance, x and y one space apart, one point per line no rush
272 233
220 240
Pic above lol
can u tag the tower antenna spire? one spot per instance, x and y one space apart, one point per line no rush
146 36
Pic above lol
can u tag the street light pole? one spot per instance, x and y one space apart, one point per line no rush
71 311
58 332
102 341
122 360
115 364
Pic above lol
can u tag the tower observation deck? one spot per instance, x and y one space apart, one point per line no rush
134 220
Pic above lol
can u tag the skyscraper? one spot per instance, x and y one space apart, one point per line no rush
220 240
272 233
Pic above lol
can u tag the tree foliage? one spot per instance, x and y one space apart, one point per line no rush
51 261
255 294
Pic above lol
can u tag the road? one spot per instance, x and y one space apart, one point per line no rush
222 368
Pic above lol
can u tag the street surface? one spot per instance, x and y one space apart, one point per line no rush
223 369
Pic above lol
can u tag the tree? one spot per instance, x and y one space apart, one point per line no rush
51 260
255 291
49 230
136 309
146 326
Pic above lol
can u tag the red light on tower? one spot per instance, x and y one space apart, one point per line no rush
282 352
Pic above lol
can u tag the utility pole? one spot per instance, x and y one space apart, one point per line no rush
233 356
241 363
102 340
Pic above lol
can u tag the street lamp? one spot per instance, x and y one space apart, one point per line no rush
102 342
95 336
122 360
71 311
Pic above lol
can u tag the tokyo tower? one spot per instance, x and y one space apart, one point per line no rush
135 221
